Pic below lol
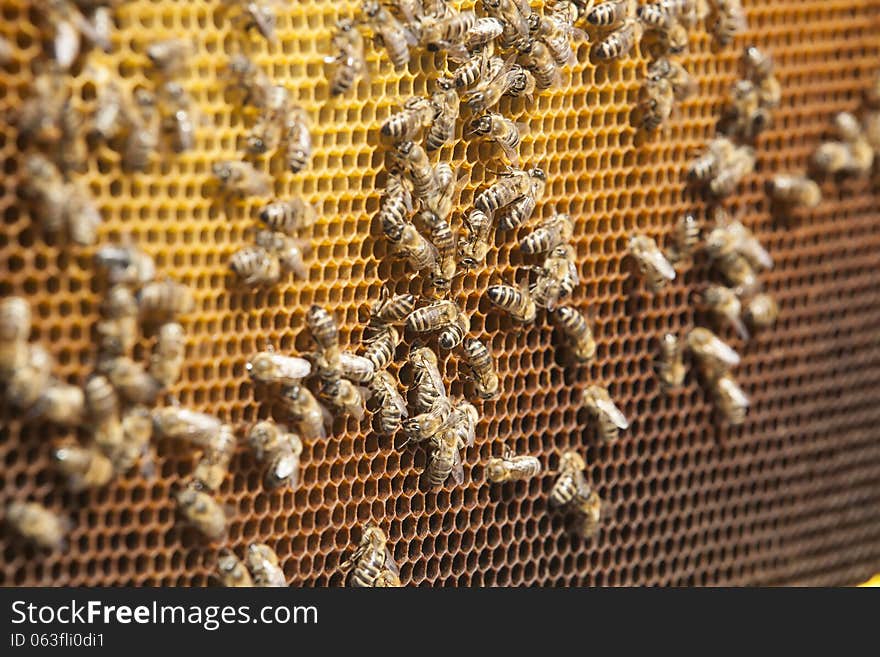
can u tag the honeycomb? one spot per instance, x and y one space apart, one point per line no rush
792 497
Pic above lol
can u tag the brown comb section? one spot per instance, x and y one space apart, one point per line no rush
793 497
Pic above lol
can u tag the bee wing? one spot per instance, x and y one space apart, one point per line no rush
613 413
293 367
457 469
390 563
720 350
66 43
735 393
659 262
399 402
751 246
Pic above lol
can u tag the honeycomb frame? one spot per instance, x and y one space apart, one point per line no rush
792 497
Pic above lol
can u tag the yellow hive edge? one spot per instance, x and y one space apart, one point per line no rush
874 581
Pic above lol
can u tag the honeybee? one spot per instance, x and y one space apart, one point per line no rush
356 368
241 178
15 328
198 429
760 67
482 33
513 185
514 16
83 216
729 19
83 467
714 356
620 42
740 163
709 163
551 232
288 217
590 509
348 62
213 466
445 102
255 265
556 278
463 422
109 116
202 511
515 302
251 80
344 396
389 31
571 484
323 327
426 380
577 332
165 300
280 450
126 265
730 399
60 403
479 66
45 187
556 29
860 150
446 32
510 467
305 410
500 130
231 571
39 117
167 359
537 58
685 237
380 347
472 250
433 316
612 13
118 331
125 442
670 363
27 383
388 579
653 265
417 168
170 56
609 419
417 250
452 334
390 405
656 102
683 85
482 368
132 381
264 565
69 28
761 311
724 305
834 157
267 132
444 460
370 560
70 151
290 251
391 309
101 400
744 115
38 524
298 140
256 14
416 115
510 79
432 421
269 367
142 139
734 236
